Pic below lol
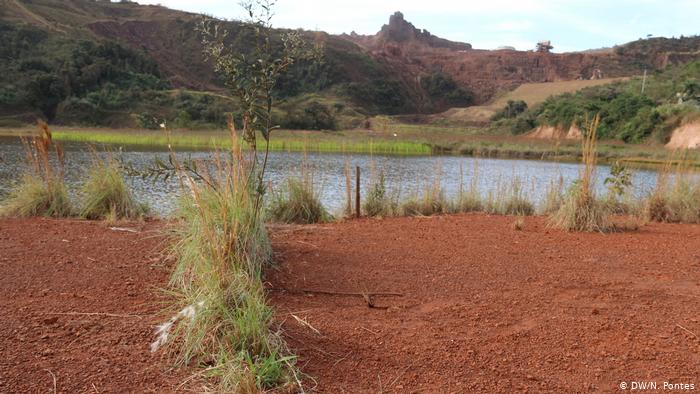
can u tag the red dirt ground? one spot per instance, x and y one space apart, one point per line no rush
51 267
485 308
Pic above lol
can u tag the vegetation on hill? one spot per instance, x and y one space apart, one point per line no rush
626 113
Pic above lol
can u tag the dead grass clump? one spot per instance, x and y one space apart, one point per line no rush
468 200
509 200
432 201
106 195
675 198
42 190
518 224
580 211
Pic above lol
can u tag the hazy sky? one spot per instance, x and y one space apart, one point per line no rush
570 24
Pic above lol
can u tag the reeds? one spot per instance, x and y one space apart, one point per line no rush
42 190
106 196
580 211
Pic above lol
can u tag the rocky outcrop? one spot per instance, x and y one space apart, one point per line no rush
685 137
399 32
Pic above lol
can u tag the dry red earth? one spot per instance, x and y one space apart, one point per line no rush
490 309
79 302
484 307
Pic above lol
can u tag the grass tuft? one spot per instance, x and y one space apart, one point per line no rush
221 248
298 202
377 202
580 211
35 196
106 195
42 190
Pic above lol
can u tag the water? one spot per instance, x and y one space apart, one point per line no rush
405 175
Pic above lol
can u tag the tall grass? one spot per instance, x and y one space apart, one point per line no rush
509 199
106 194
431 201
221 247
468 200
298 200
676 197
553 197
378 202
580 211
42 190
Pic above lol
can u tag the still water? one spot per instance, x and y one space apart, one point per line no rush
406 175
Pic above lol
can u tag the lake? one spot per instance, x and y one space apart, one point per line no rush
406 175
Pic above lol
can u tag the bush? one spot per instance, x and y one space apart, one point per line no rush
511 110
106 195
314 116
298 202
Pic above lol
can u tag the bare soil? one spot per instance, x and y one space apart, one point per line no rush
486 308
483 307
78 303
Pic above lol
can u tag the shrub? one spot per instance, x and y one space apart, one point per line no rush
107 196
512 109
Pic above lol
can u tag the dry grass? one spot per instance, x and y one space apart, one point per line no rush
676 197
580 211
42 190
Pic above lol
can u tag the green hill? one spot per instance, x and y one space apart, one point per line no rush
95 62
670 97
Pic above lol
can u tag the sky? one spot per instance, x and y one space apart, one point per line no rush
571 25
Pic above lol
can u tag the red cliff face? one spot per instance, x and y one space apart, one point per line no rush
413 52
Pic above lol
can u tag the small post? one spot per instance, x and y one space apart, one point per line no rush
357 191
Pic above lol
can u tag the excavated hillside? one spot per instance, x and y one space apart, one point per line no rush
486 72
400 70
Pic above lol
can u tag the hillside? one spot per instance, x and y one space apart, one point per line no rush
128 65
632 110
529 93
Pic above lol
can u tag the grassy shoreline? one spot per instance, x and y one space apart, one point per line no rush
396 141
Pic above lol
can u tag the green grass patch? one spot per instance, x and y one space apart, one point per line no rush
222 141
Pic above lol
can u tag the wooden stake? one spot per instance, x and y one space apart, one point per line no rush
357 191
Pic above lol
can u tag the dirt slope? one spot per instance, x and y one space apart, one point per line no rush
531 93
685 137
486 308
